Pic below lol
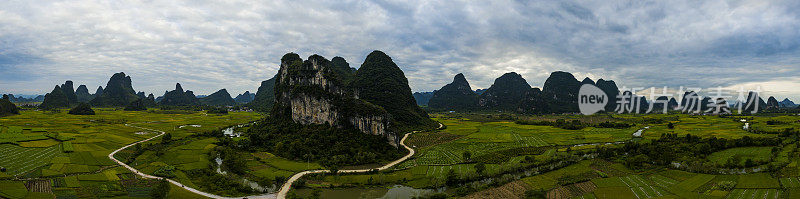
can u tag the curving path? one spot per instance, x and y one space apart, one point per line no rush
288 185
284 189
111 156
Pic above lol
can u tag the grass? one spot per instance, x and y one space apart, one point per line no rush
19 160
754 193
694 182
757 181
53 144
614 192
39 143
754 153
13 189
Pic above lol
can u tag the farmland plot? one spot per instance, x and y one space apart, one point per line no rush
754 193
18 160
641 187
792 182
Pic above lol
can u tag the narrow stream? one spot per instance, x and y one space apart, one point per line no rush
245 181
640 131
230 131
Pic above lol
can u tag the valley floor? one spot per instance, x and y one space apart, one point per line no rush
53 154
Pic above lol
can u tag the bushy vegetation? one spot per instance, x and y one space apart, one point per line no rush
672 148
138 105
332 147
82 109
574 124
6 107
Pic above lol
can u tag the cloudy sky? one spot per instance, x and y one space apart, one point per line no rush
208 45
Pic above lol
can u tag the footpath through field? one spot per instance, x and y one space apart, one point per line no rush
111 156
284 189
288 185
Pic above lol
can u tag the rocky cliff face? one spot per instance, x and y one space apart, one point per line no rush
313 92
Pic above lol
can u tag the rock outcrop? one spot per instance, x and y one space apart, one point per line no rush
6 107
99 91
506 93
611 89
244 98
219 98
118 92
773 103
265 96
561 90
82 94
457 95
786 103
55 99
317 91
69 91
423 98
381 82
179 97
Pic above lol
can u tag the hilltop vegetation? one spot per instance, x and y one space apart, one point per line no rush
117 93
457 95
506 93
7 108
219 98
178 97
381 82
265 96
82 109
55 99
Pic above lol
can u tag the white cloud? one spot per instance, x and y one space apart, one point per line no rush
209 45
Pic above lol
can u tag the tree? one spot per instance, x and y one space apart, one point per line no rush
166 139
530 159
82 109
467 155
161 190
749 163
451 178
535 194
670 126
480 167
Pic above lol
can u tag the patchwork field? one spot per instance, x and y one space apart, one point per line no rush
71 152
504 146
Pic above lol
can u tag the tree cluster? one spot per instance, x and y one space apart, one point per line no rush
330 146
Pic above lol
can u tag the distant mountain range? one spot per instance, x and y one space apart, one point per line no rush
422 98
786 103
245 97
510 92
219 98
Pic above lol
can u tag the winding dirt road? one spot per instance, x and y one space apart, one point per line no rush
111 156
288 185
284 189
